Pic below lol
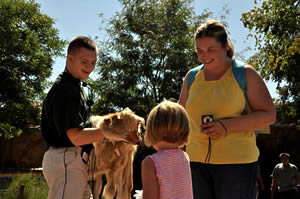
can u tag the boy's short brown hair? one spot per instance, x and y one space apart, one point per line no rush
81 42
169 122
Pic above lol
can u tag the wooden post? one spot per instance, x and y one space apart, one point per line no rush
21 192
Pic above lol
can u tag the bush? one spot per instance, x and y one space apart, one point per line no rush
35 187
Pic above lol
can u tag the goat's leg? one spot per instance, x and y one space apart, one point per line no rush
97 186
119 184
125 184
128 177
109 189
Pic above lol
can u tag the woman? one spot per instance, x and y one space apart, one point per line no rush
223 152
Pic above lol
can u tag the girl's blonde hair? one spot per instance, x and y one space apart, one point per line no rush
169 122
215 29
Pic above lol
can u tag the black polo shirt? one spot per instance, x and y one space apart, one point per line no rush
64 108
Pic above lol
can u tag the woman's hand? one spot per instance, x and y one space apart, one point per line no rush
215 128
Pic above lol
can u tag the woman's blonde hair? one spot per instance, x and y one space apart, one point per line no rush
215 29
169 122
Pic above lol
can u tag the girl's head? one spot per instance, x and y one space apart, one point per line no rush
215 30
169 122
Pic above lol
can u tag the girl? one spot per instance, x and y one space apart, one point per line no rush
166 174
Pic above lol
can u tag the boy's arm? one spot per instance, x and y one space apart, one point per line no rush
84 136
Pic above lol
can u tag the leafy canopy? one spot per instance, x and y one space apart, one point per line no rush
27 47
149 50
275 26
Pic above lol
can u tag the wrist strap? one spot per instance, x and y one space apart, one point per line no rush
223 125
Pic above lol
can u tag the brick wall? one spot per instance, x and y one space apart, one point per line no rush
24 151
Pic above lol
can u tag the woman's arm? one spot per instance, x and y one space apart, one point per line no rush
149 180
263 112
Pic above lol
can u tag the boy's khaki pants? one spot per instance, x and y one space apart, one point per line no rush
66 174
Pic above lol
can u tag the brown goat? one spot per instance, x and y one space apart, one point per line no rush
113 155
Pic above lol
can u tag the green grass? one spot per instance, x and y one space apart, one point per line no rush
35 187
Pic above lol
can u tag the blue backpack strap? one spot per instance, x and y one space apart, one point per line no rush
239 72
193 74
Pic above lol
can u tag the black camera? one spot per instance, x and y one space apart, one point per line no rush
207 118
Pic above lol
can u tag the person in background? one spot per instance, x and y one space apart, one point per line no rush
166 173
66 125
286 175
222 145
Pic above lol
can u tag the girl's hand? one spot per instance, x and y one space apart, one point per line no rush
215 128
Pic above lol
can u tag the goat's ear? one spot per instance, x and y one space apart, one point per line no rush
107 121
127 109
116 117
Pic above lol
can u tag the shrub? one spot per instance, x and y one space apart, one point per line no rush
35 187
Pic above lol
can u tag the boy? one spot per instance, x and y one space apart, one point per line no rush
66 126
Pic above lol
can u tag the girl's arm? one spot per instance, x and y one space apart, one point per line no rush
149 180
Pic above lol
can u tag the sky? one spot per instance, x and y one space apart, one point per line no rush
81 17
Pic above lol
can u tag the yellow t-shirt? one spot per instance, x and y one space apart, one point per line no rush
221 98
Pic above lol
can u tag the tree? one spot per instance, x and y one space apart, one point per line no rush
275 27
29 42
149 50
